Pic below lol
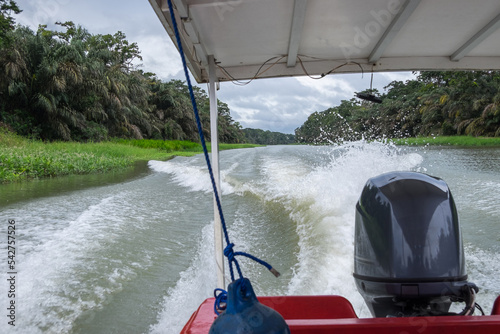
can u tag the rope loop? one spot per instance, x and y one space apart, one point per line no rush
220 301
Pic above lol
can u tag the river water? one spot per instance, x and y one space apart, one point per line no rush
132 252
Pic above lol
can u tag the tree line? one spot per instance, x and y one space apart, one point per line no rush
74 85
435 103
266 137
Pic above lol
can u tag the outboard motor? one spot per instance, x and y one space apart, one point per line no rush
408 253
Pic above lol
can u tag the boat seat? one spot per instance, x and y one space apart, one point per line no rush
310 307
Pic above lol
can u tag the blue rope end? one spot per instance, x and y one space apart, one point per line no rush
275 272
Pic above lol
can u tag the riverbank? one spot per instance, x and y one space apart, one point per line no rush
24 159
449 141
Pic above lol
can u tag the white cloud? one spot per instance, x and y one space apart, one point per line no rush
328 86
159 55
398 76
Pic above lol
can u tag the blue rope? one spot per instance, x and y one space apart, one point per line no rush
220 300
228 251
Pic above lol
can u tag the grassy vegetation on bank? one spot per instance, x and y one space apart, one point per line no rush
449 141
179 147
22 159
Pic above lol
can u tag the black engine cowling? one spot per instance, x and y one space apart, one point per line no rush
408 257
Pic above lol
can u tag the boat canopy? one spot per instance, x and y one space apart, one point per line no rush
276 38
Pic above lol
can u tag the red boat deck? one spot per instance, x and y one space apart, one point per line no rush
334 314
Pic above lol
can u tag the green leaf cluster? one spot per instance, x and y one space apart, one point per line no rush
7 8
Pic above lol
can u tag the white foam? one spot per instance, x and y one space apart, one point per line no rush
321 201
57 275
194 178
195 285
483 267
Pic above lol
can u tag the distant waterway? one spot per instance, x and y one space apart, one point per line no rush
132 252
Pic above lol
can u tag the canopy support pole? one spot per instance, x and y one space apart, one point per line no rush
218 236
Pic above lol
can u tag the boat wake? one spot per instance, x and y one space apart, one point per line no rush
294 207
317 188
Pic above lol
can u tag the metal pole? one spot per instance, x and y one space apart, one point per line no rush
218 237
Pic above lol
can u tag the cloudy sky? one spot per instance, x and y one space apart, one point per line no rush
270 104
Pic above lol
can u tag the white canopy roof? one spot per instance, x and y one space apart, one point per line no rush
275 38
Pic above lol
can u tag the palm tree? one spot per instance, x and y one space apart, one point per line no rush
489 122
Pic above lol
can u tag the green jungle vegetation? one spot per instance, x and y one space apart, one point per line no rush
436 103
75 86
